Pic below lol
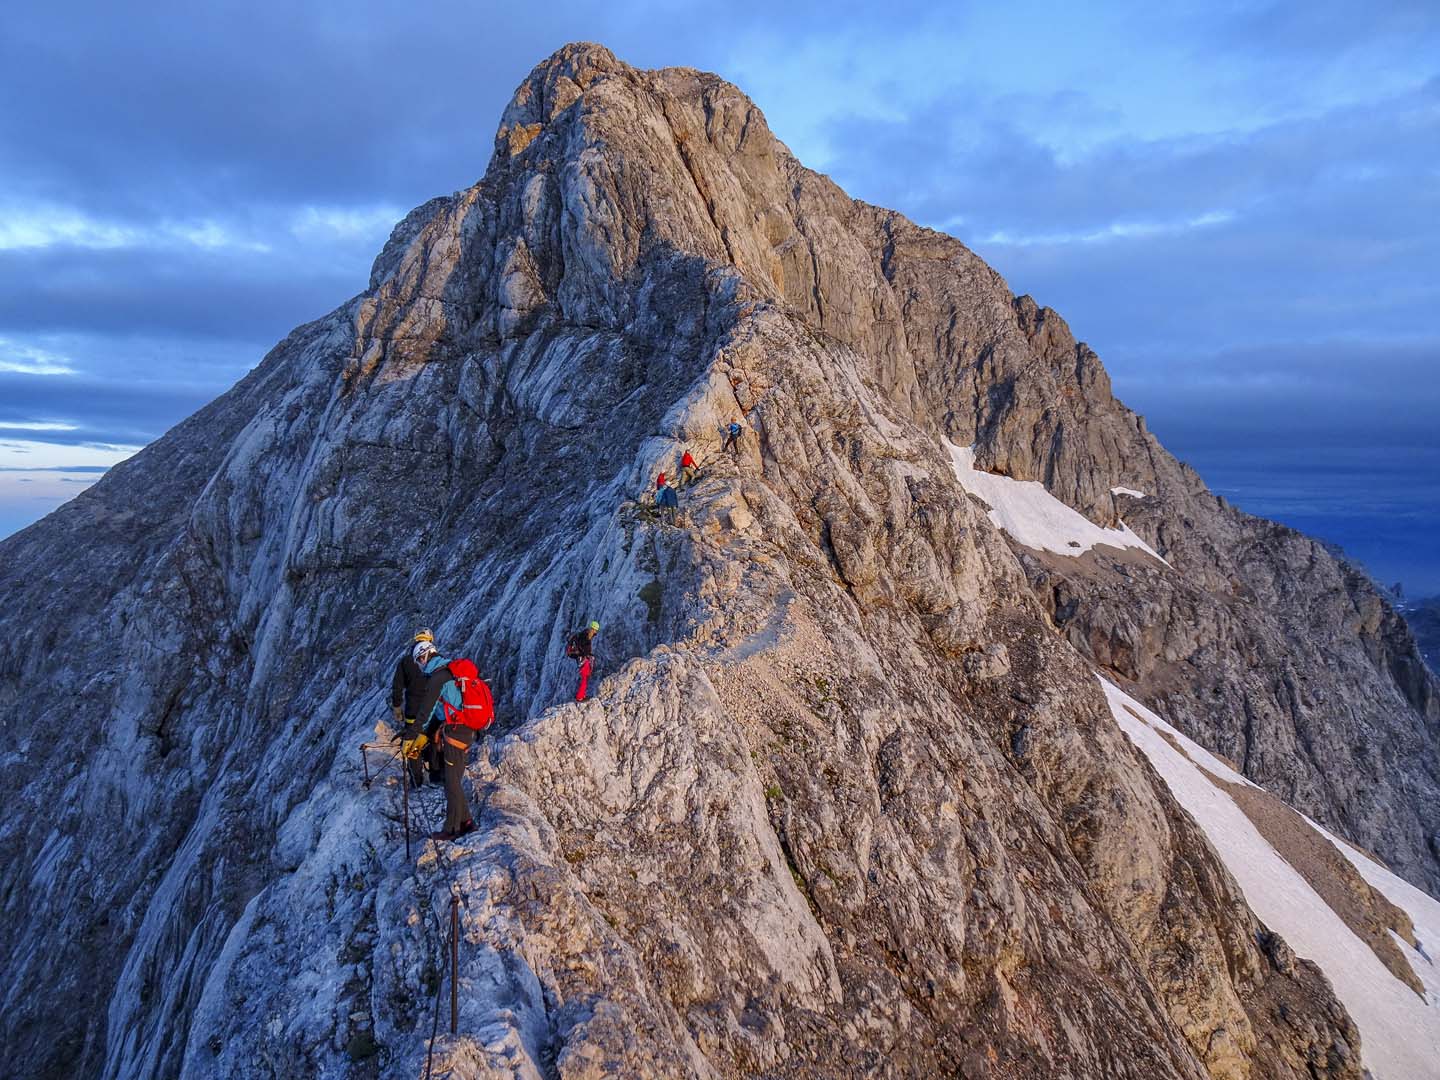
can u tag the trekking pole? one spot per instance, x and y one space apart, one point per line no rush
454 963
405 803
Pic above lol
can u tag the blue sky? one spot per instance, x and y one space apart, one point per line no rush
1237 205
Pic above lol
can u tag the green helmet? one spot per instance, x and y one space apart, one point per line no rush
595 626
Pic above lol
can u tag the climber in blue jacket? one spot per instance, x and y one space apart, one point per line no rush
442 697
732 437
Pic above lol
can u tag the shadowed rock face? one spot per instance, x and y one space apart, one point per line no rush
846 802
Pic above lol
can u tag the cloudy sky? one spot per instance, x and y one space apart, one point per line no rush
1236 204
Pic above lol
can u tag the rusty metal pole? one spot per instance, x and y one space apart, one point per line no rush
405 800
454 964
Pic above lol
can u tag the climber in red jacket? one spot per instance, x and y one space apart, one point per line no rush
580 649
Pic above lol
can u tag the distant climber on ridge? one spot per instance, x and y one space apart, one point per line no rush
688 468
666 499
459 705
580 649
407 687
732 437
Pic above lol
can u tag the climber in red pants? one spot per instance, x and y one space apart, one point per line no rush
579 649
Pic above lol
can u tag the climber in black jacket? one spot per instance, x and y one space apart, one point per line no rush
580 648
407 691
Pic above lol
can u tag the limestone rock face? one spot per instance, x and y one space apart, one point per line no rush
847 800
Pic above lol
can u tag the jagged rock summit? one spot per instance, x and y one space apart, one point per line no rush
850 799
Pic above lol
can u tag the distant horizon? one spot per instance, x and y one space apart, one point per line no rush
1235 209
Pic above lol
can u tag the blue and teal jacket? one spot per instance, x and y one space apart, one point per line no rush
441 688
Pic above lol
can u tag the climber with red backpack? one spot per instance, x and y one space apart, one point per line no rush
459 706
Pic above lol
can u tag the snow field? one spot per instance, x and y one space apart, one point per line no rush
1423 909
1031 516
1400 1033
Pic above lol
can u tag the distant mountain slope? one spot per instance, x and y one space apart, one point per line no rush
1424 619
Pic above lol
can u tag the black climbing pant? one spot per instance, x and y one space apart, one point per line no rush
434 754
414 766
457 810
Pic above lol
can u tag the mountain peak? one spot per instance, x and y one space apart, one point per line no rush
553 85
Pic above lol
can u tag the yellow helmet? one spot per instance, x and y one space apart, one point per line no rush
424 635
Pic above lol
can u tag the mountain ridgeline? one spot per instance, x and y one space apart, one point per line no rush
848 799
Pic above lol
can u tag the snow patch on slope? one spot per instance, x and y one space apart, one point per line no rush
1400 1033
1423 909
1127 491
1031 516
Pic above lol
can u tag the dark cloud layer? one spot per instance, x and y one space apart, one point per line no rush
114 411
1308 395
171 108
184 293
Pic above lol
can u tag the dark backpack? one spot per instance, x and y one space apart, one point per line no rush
572 647
477 707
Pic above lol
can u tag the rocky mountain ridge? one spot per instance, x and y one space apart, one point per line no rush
849 796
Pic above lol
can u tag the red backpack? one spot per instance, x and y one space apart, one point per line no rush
477 707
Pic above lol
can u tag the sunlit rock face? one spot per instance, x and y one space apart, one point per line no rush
848 798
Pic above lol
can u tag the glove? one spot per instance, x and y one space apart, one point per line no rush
399 714
413 746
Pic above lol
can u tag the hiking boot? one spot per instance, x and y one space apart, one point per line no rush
442 836
466 829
